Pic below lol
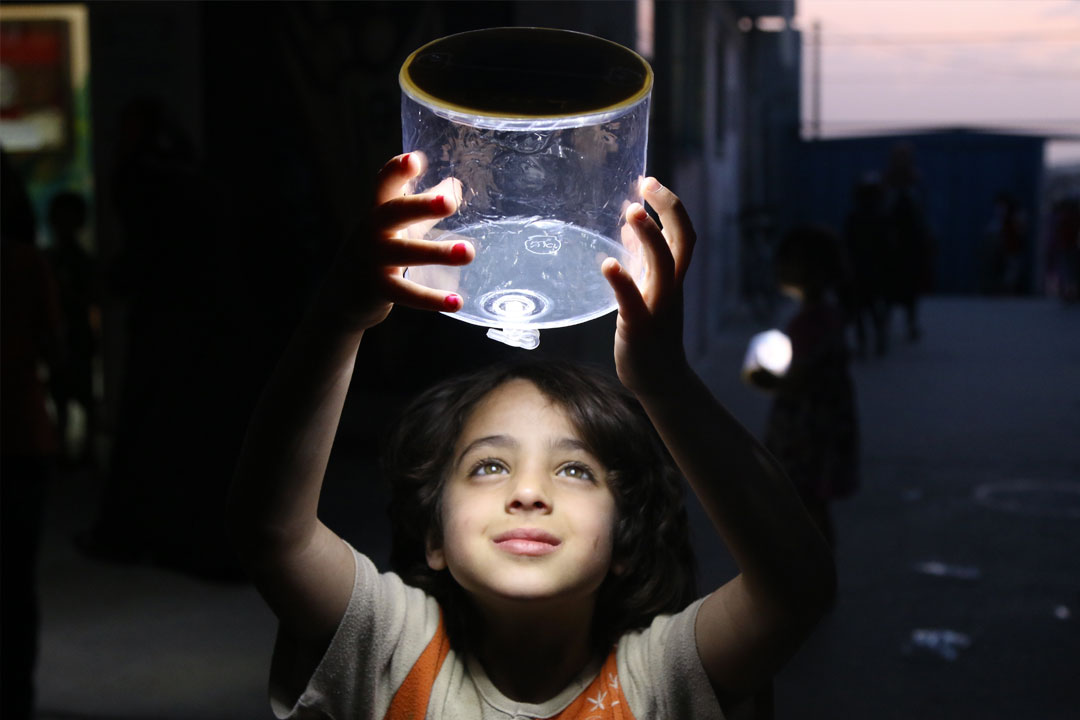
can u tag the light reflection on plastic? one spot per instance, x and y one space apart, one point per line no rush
514 308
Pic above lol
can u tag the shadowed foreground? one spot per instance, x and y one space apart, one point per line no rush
959 591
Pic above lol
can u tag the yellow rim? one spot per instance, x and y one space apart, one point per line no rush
410 88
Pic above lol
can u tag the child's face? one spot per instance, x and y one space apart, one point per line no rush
527 511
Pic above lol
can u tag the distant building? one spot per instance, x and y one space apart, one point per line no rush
725 130
960 173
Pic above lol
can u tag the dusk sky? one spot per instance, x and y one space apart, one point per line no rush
919 63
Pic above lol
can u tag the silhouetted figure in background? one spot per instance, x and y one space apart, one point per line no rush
159 503
1063 254
866 237
910 242
29 336
72 379
812 428
1007 233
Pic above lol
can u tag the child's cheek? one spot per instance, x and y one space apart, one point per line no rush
460 528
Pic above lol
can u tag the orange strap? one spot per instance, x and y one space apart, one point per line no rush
602 700
411 699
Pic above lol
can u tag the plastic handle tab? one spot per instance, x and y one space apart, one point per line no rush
527 338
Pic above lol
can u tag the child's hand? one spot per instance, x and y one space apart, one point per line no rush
366 280
761 379
648 338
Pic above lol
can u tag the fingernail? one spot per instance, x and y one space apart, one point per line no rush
405 161
459 251
452 301
438 204
650 185
637 212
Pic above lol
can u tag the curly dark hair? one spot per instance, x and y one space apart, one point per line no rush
651 536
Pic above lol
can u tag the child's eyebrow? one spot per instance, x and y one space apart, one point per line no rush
495 440
505 441
570 443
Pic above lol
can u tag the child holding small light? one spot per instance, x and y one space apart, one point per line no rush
812 428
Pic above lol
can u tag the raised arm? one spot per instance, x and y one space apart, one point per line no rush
301 567
751 625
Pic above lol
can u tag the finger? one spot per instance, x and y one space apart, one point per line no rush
402 291
658 257
449 187
406 252
400 212
631 305
676 221
635 260
395 175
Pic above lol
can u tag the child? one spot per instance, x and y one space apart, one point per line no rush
535 517
812 427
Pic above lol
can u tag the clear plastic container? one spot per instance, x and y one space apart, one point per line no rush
542 135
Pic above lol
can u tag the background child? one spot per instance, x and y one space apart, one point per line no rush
540 503
812 427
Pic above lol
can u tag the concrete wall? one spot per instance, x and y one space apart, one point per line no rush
726 129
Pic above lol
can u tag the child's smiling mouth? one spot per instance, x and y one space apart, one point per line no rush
527 541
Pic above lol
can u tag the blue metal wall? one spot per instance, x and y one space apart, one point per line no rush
961 173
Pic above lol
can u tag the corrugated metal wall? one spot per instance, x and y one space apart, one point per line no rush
961 173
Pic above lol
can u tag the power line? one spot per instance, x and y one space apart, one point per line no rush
948 39
1025 124
937 82
975 64
949 75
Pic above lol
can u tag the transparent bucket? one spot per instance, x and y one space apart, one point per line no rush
542 136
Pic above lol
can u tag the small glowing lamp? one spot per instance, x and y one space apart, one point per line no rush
769 351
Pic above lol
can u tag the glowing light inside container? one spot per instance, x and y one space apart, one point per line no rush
541 135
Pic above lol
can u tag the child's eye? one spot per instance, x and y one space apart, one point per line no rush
578 471
488 467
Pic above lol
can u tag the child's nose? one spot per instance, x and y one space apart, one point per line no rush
528 495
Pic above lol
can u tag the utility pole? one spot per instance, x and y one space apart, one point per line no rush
815 81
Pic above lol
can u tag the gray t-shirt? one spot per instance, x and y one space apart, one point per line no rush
388 624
